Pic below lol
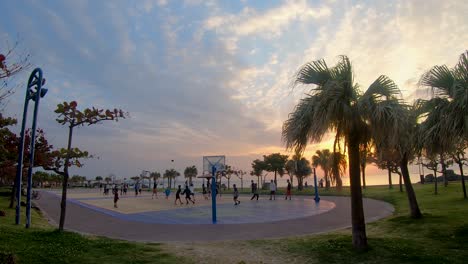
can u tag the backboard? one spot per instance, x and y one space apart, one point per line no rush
210 161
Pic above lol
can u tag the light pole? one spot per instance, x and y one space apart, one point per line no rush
317 198
34 91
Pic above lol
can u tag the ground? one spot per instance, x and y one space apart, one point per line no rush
439 237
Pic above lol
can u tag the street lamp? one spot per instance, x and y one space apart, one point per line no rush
34 91
317 198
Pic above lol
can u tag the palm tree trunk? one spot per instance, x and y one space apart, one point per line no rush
413 203
444 170
63 203
363 172
327 181
276 183
435 182
390 186
460 165
357 209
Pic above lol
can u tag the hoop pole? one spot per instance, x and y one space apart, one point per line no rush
213 193
317 197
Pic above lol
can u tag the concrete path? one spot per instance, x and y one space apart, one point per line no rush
84 219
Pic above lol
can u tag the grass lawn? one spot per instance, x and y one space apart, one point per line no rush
43 244
441 236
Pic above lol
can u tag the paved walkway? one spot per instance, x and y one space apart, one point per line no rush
86 219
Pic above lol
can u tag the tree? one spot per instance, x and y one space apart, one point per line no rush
275 163
155 176
303 170
459 157
9 166
258 167
366 158
335 103
12 62
69 115
99 179
171 175
322 159
338 167
228 172
240 174
108 179
190 172
290 169
447 112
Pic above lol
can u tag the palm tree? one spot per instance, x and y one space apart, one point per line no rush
338 167
275 163
366 158
190 172
171 175
322 159
228 172
447 119
335 104
290 169
155 176
258 167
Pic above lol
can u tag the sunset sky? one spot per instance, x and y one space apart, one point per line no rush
203 77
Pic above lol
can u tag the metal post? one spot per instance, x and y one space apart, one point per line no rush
31 153
19 168
33 91
317 198
213 193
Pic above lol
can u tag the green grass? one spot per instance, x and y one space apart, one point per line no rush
43 244
441 236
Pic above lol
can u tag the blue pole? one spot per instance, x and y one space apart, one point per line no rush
31 154
213 193
317 198
19 168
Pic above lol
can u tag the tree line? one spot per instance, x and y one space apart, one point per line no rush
379 121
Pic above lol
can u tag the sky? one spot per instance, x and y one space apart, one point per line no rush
206 77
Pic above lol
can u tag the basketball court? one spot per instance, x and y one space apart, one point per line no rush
143 208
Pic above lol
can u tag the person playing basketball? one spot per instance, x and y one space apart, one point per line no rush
288 191
177 196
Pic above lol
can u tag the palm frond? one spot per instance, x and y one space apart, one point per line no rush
383 86
440 79
315 72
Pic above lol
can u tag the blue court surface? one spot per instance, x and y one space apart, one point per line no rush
248 211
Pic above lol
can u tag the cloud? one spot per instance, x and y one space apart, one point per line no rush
214 80
272 22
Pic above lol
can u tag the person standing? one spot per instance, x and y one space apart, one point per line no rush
236 195
115 191
254 190
137 187
272 190
155 190
288 191
177 196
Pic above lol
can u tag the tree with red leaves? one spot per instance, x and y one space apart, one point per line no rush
61 160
